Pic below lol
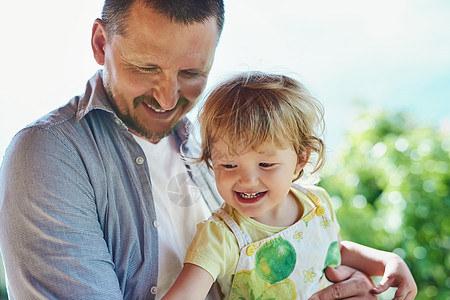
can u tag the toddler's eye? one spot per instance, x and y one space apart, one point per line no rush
229 166
266 165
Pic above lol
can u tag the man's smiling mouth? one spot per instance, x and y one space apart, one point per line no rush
158 110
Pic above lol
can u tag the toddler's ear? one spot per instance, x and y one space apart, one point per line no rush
302 160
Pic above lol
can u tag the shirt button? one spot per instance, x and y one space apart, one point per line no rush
320 211
153 290
139 160
250 250
156 223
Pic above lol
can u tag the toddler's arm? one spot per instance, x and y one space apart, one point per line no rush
193 283
374 262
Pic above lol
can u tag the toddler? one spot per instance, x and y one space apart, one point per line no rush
272 238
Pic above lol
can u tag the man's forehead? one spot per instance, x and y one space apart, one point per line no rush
144 47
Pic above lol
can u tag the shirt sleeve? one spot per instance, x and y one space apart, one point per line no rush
214 248
51 240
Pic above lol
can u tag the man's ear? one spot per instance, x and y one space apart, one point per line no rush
98 41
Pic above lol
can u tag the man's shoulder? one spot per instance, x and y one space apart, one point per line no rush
60 122
78 108
58 116
62 127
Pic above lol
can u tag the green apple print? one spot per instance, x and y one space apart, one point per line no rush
333 255
274 262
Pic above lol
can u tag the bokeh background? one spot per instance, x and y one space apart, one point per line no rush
380 68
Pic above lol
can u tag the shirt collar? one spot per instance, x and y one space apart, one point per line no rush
94 97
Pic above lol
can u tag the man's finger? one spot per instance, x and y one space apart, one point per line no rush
343 291
351 284
340 273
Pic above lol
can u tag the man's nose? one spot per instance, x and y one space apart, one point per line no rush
166 91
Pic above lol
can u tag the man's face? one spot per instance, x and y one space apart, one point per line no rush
155 73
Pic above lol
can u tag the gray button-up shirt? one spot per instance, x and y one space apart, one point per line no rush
76 208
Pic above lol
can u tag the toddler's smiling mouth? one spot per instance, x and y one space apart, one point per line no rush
249 198
250 195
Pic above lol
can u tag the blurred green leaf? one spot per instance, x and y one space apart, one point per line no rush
391 181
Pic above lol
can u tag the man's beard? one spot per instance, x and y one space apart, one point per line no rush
132 122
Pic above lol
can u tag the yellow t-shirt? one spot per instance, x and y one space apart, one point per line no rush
215 248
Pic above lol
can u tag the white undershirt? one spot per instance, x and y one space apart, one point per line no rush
179 207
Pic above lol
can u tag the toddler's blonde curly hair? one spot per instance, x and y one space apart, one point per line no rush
253 108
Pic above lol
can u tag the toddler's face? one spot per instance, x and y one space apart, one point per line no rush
255 182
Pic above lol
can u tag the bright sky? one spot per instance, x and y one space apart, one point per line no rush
391 53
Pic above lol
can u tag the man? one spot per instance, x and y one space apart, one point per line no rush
95 202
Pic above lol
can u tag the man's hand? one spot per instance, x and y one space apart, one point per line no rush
348 283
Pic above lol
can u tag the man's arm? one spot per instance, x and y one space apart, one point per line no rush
51 240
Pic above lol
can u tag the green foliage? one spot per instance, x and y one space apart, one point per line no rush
391 183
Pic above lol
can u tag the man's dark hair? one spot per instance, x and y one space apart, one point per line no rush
115 12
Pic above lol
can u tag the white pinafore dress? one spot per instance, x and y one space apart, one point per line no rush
290 263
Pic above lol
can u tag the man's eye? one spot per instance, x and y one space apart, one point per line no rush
266 165
189 74
147 69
